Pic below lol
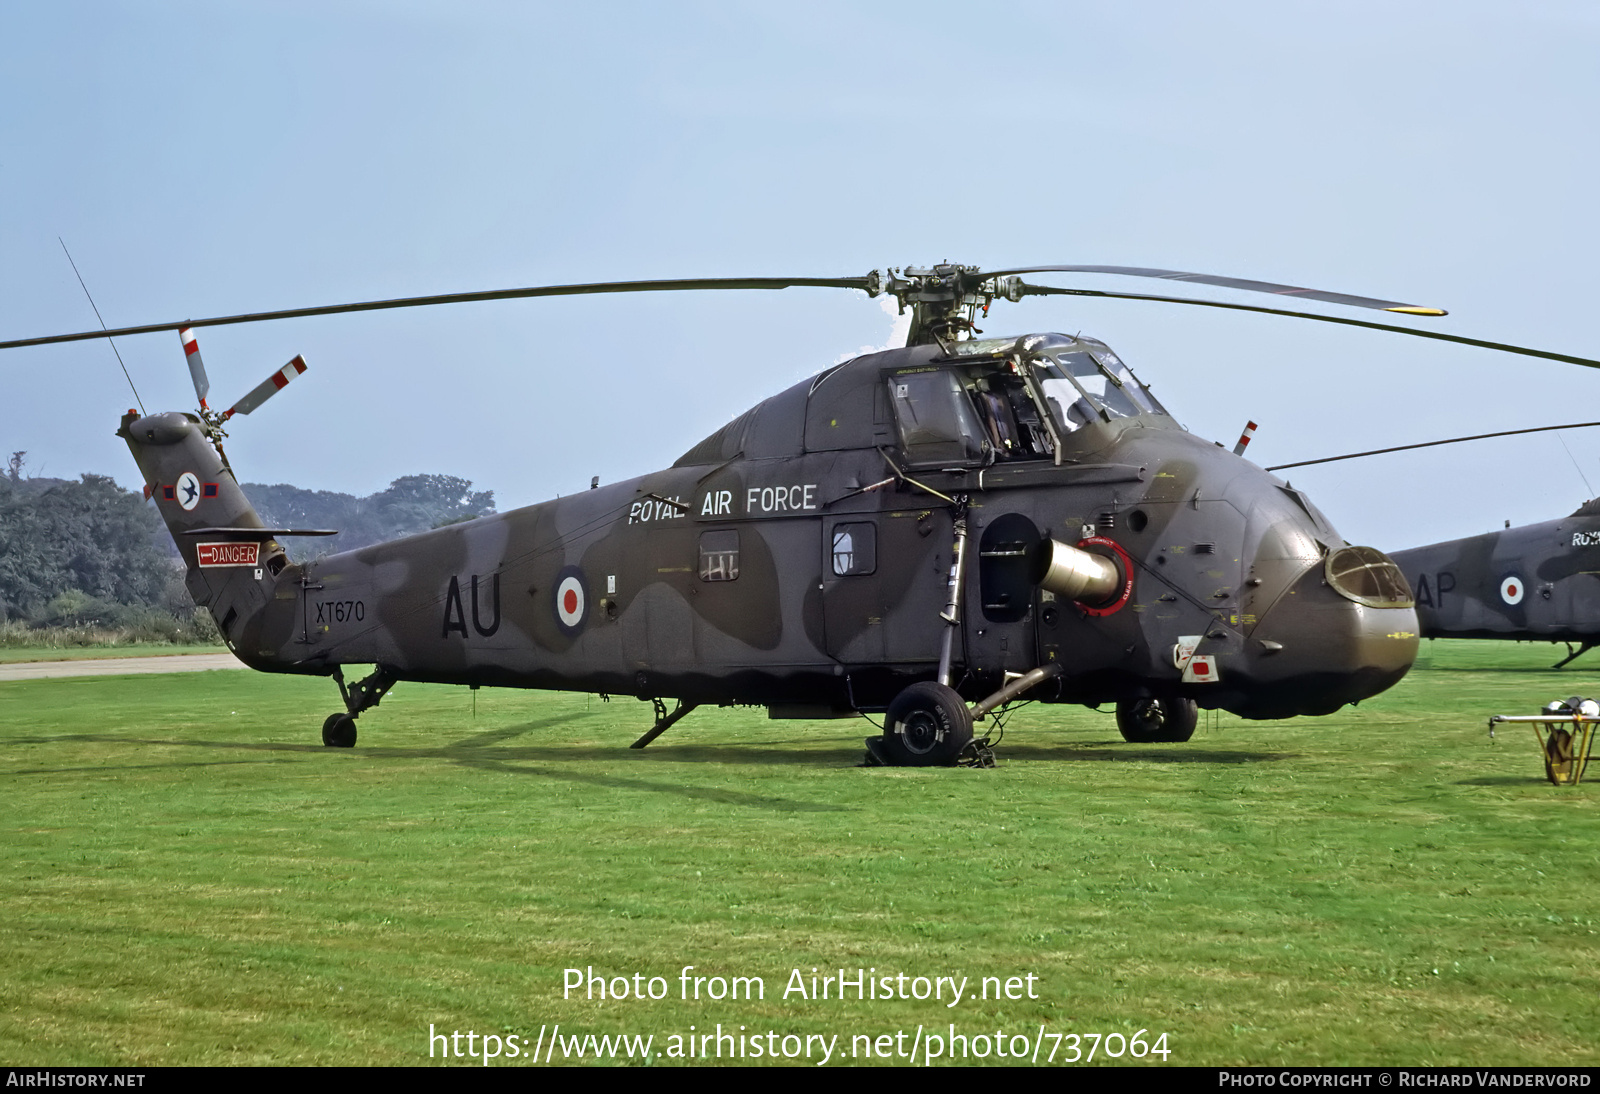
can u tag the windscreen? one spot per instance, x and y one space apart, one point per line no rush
1080 390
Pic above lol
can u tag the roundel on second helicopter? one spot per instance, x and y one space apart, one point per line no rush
1511 589
571 600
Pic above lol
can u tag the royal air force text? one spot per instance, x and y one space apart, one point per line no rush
753 501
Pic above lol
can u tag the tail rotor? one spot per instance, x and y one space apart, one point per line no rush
257 395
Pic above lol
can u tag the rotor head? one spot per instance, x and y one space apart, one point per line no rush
945 300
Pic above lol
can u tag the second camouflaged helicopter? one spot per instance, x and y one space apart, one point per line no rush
930 531
1534 583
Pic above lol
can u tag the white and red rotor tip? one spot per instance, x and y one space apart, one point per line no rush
268 387
1244 438
197 368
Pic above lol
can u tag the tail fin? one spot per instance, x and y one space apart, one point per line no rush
232 558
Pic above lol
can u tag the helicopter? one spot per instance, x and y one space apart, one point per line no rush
1534 583
930 532
1537 582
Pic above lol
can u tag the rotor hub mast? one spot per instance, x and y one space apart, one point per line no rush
945 300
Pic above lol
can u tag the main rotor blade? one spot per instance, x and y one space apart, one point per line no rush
1506 347
1431 444
681 285
1233 283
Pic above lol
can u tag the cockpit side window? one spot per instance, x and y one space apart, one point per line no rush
936 420
1011 418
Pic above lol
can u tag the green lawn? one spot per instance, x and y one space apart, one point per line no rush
190 878
82 653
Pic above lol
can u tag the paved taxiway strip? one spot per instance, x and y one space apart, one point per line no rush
118 666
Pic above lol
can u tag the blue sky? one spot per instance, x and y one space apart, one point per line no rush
204 159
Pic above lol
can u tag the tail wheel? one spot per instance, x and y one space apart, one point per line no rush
928 726
1148 721
339 731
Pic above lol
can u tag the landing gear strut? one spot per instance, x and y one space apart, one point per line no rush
339 731
1584 648
664 721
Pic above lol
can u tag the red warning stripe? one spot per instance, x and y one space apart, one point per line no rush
273 384
281 378
1244 438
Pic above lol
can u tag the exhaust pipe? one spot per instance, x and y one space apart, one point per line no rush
1076 574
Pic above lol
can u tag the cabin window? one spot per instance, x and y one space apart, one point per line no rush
719 555
855 548
936 420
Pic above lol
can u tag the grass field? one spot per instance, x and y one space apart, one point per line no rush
190 878
86 653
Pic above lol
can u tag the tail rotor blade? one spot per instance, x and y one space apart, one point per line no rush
197 368
268 387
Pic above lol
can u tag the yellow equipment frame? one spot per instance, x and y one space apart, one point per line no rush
1565 751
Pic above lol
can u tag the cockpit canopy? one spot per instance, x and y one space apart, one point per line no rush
996 399
1011 398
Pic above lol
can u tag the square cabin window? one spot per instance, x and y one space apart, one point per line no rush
719 555
855 549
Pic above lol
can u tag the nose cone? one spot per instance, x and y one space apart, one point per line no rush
1346 630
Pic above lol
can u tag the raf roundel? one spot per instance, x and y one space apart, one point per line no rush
571 600
1511 590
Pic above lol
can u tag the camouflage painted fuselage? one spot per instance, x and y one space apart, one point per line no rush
799 558
1540 581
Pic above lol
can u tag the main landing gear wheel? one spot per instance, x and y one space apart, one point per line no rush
1147 721
339 731
928 726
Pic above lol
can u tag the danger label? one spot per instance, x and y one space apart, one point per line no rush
228 554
